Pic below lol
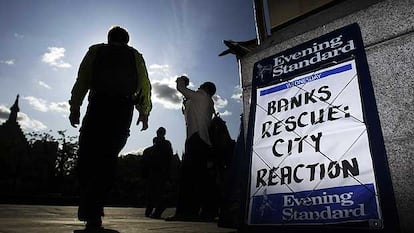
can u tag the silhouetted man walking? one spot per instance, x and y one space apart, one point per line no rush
116 78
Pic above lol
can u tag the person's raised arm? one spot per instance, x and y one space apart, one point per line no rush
182 83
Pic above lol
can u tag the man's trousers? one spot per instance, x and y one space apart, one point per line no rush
104 132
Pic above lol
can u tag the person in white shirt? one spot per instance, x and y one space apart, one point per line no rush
194 202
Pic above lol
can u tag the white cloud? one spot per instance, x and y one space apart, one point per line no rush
225 113
30 124
37 103
158 67
24 120
44 106
134 152
54 57
4 112
165 93
8 62
237 93
220 104
43 84
159 71
59 107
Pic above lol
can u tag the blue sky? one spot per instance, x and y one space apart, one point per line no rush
43 42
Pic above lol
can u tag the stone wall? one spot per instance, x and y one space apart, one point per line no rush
387 29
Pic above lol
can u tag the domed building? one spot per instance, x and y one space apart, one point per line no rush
13 151
26 169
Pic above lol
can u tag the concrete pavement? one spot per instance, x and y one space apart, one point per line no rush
62 219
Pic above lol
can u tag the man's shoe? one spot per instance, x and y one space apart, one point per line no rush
148 212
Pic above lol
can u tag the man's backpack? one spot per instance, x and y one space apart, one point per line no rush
220 139
218 131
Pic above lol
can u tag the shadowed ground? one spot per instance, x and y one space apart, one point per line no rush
56 219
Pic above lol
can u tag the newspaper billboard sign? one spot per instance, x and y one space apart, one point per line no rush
311 149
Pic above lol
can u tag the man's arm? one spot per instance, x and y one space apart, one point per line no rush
182 88
144 104
81 86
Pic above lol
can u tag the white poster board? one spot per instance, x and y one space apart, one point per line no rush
311 160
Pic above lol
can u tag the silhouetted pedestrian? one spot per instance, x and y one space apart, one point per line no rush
158 158
195 201
116 78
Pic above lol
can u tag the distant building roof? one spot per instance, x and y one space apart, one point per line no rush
239 48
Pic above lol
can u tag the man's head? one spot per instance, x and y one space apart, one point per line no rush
161 132
209 87
118 35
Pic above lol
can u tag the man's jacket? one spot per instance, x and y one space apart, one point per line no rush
115 71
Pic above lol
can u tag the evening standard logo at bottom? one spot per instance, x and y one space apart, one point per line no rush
289 214
333 205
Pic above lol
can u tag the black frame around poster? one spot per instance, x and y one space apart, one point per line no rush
379 158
